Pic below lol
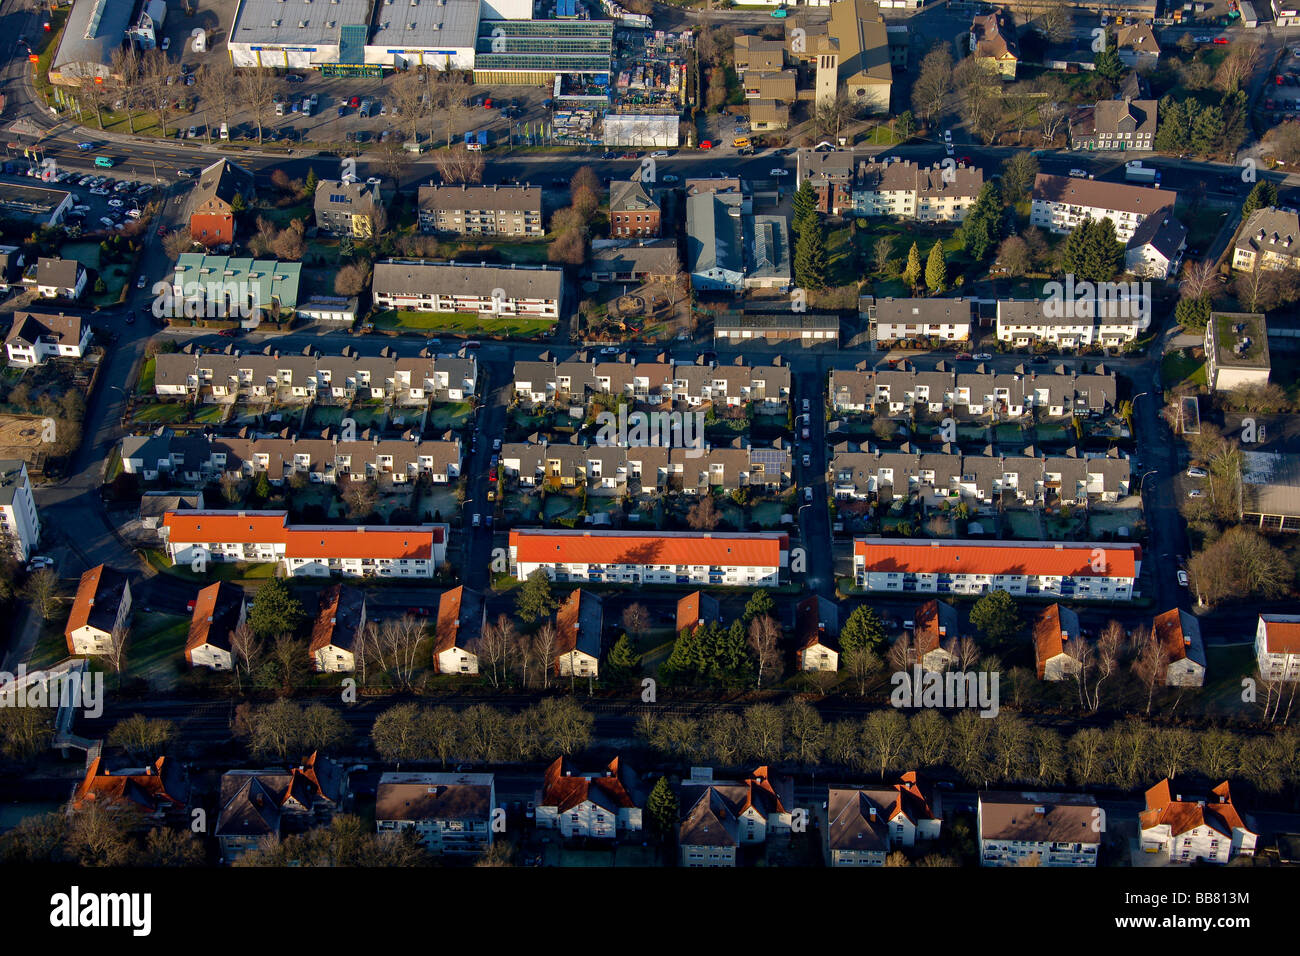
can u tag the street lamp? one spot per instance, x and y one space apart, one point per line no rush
1143 479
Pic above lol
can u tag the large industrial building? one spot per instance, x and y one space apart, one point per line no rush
497 39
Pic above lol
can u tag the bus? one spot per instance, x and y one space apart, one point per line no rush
104 161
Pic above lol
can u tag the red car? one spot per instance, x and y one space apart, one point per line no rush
1221 41
354 102
706 144
492 475
964 159
189 605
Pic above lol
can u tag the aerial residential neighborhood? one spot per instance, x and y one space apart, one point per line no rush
567 435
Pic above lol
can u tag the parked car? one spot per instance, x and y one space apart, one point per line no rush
983 357
807 461
1079 173
807 494
141 282
477 521
1182 578
1197 473
166 44
780 172
1196 493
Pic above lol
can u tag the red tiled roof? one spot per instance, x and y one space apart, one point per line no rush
1049 636
564 792
683 548
1182 816
1168 631
1064 560
226 527
216 612
143 791
1281 637
271 527
345 542
99 586
448 627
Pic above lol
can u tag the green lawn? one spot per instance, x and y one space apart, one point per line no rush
179 412
156 641
145 384
455 323
1177 368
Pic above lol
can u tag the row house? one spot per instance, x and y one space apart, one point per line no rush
196 538
893 320
1059 829
667 557
904 190
199 459
233 286
270 376
1277 646
900 390
256 805
1110 323
1199 830
865 823
468 210
1066 570
717 818
936 477
832 175
548 380
612 468
422 286
450 813
601 804
1059 203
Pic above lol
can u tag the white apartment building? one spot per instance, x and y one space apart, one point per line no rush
1107 322
903 190
197 538
1277 646
1060 829
19 522
1068 570
892 320
666 557
533 291
450 812
1059 203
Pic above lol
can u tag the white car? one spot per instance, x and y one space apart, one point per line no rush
192 133
807 461
1079 173
947 136
1195 472
1182 578
669 178
106 222
374 181
983 356
780 172
115 203
1203 39
807 494
609 350
1196 493
166 44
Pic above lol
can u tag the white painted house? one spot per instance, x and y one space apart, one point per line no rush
100 611
1277 646
600 805
1186 831
219 610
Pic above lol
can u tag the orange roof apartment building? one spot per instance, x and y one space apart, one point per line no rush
397 551
1188 830
667 557
1277 646
1080 571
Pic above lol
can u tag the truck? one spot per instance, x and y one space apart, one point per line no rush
476 141
1135 172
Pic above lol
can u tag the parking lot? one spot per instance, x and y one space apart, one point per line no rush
101 202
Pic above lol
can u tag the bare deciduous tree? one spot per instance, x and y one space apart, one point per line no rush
765 641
